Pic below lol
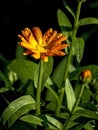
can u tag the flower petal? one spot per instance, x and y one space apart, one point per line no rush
36 55
44 57
51 38
26 32
55 53
37 34
47 35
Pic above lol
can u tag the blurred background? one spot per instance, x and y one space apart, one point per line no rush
15 15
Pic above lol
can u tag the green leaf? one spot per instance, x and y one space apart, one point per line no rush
87 114
59 73
64 23
69 8
6 80
75 74
25 69
79 48
89 126
3 89
51 95
43 120
16 109
70 95
54 122
87 21
32 119
19 52
47 69
12 76
86 96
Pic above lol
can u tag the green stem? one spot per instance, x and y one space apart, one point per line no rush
69 58
5 99
74 107
61 95
38 91
79 98
73 38
69 61
53 92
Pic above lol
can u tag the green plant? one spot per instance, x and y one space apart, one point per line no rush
61 97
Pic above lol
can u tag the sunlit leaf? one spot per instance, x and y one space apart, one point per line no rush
3 89
89 126
87 114
24 69
64 23
54 122
79 48
43 120
16 109
85 96
70 95
12 76
32 119
87 21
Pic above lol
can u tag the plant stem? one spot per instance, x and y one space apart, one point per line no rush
74 107
73 38
69 61
69 58
5 99
78 98
38 91
53 92
61 95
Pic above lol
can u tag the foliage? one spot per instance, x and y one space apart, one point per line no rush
41 95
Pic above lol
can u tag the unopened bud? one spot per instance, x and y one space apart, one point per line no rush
85 76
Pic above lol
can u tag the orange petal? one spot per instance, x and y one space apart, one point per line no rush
37 34
44 57
51 38
59 47
26 32
36 55
47 35
27 52
60 39
55 53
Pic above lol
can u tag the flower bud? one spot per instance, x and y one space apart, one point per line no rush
85 76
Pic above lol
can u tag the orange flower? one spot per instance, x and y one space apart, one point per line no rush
86 76
41 46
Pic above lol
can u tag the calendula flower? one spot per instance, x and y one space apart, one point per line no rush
42 46
86 76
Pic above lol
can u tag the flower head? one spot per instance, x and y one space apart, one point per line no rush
86 76
42 46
